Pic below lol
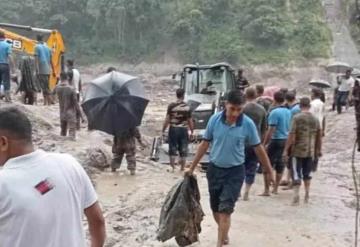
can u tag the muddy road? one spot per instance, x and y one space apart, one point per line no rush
132 204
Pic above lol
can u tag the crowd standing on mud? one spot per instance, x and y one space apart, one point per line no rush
279 136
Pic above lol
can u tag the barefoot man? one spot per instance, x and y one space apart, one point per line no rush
228 132
305 137
276 136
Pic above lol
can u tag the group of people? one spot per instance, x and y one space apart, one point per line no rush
279 133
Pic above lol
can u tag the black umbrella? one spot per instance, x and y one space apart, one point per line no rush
114 103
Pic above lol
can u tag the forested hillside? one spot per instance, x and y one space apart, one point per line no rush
256 31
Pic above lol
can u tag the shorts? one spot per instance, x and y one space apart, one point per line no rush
178 141
224 187
44 83
301 169
251 162
275 151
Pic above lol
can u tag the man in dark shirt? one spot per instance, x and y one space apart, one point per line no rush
265 102
241 81
257 114
69 107
179 119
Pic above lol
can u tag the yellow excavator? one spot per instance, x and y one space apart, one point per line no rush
23 41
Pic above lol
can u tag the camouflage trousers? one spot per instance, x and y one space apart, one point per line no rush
130 155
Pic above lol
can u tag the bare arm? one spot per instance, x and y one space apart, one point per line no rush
202 149
323 126
96 222
263 158
80 86
269 134
166 123
191 125
289 142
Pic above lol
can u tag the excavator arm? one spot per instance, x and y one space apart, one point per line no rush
23 44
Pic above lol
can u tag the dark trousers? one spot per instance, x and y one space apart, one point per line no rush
251 162
341 100
5 76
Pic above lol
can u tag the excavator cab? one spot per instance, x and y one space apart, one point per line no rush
23 40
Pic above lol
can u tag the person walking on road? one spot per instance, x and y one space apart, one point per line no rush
69 107
276 136
125 144
318 110
44 196
44 65
226 135
344 91
5 62
305 138
179 119
258 114
75 81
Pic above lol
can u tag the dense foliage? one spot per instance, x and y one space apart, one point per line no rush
256 31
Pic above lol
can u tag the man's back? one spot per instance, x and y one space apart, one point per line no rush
43 197
43 54
257 113
179 113
318 110
67 101
280 118
305 127
5 50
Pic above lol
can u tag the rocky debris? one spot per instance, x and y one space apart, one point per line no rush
98 157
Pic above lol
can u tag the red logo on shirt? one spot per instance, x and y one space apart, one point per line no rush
44 187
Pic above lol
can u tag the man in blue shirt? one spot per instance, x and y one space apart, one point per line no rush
279 125
227 134
5 59
43 67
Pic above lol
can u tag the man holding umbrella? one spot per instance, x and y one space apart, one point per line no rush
115 103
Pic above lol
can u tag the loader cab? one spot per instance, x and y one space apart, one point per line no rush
211 79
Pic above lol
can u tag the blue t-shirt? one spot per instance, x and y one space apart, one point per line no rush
43 53
228 142
5 51
280 118
295 109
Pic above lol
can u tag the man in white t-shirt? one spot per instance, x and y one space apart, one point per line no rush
75 81
74 78
318 110
344 91
43 196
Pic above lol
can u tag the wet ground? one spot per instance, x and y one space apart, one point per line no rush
132 204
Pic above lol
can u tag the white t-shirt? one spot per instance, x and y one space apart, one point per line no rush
76 80
318 110
346 84
42 201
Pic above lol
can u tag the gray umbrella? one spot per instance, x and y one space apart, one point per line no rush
338 68
114 103
320 83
